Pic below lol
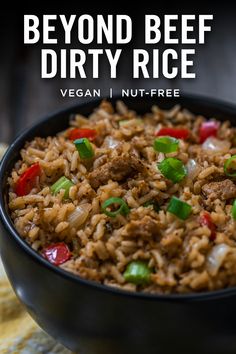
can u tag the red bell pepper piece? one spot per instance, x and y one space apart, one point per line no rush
27 180
57 254
208 129
205 220
78 133
177 133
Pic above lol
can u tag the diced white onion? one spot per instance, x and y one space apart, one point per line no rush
79 215
111 142
216 145
193 168
216 258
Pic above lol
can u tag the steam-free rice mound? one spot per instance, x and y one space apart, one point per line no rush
142 203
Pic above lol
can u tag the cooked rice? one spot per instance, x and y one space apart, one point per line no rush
178 252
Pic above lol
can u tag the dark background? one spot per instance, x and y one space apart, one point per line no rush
25 97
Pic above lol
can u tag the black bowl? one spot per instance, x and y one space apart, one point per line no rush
94 319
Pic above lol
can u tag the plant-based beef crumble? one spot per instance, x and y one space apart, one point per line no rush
143 203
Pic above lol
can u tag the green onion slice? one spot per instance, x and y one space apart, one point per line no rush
179 208
137 272
153 203
166 144
173 169
84 148
230 166
62 183
123 209
234 210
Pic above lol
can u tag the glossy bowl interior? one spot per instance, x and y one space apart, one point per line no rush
92 318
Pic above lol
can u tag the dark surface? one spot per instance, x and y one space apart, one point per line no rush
93 319
25 97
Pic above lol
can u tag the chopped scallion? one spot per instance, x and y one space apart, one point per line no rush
230 166
62 183
84 148
234 210
166 144
179 208
137 272
123 209
173 169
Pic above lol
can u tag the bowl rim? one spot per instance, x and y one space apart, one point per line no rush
9 227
